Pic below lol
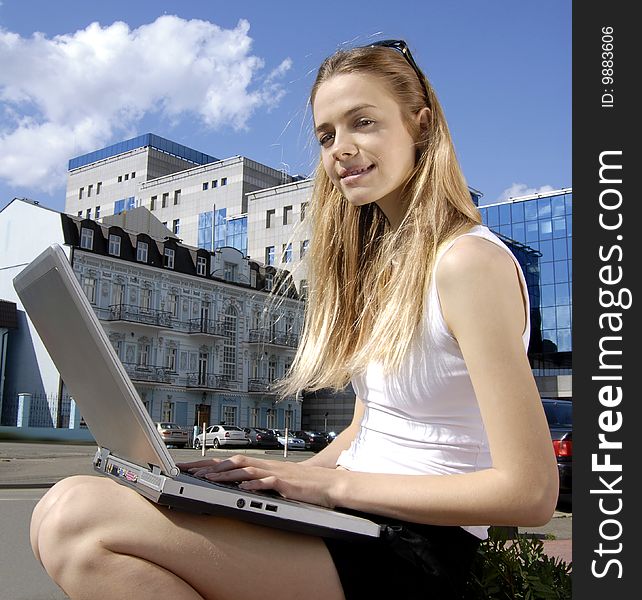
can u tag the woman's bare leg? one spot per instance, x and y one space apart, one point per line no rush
98 539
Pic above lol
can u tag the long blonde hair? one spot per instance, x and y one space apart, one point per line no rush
368 282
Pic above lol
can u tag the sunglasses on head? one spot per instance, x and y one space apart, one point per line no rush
402 47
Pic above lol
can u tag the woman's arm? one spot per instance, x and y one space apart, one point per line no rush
328 456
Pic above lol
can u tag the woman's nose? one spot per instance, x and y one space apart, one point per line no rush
344 146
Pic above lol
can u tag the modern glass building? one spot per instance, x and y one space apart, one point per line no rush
542 224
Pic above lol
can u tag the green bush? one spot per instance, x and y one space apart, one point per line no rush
517 569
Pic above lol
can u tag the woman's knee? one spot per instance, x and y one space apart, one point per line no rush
66 515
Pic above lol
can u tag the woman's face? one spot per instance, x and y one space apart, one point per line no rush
366 148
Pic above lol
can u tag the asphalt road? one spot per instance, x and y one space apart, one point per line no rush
27 469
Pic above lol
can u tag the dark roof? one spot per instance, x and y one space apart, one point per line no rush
8 314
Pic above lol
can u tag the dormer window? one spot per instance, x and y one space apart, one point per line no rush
114 244
86 238
201 265
169 258
141 251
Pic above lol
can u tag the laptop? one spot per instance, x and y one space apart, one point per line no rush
130 449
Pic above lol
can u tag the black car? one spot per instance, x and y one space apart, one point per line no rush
261 438
559 414
314 440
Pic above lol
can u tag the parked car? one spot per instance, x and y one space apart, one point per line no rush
222 435
330 435
314 440
261 438
294 443
172 434
559 414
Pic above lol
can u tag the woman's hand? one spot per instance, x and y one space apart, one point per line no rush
296 481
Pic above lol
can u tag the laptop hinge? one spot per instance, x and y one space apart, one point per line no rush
155 470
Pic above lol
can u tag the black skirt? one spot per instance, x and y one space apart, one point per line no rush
408 561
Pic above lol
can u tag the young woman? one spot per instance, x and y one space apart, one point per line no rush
426 312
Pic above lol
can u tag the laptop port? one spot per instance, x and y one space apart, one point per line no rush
255 504
271 507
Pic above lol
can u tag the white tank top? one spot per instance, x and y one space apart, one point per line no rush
425 419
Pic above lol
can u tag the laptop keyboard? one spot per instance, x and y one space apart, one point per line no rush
234 485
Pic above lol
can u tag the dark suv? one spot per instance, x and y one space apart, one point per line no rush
559 414
314 440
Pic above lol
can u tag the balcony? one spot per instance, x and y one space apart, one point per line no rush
262 386
136 314
204 326
208 381
270 338
150 373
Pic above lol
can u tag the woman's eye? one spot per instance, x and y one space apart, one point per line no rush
364 122
325 139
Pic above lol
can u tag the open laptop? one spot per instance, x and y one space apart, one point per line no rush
130 449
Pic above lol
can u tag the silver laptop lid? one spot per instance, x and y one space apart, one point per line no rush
87 362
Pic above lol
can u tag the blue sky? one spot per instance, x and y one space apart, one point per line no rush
233 78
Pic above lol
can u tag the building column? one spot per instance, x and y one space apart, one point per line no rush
24 409
74 415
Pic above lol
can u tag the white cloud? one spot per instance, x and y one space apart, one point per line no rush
521 189
73 93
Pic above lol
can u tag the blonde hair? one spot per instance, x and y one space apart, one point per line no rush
367 282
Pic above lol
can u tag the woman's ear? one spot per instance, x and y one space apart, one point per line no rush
423 118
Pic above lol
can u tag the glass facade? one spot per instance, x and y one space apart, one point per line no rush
142 141
542 227
215 230
124 204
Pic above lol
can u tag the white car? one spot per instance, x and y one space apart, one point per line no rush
222 435
294 443
172 434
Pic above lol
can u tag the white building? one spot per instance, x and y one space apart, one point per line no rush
193 328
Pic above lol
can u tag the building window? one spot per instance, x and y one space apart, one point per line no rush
114 244
80 193
269 281
215 183
205 185
223 180
141 251
118 294
287 253
229 415
303 288
89 287
269 218
152 202
254 416
126 176
176 226
80 213
271 418
229 346
120 179
146 299
98 186
304 208
269 255
272 368
230 271
170 359
143 355
177 197
165 200
98 212
88 214
134 175
304 247
168 411
172 304
87 238
90 187
169 258
287 215
201 265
